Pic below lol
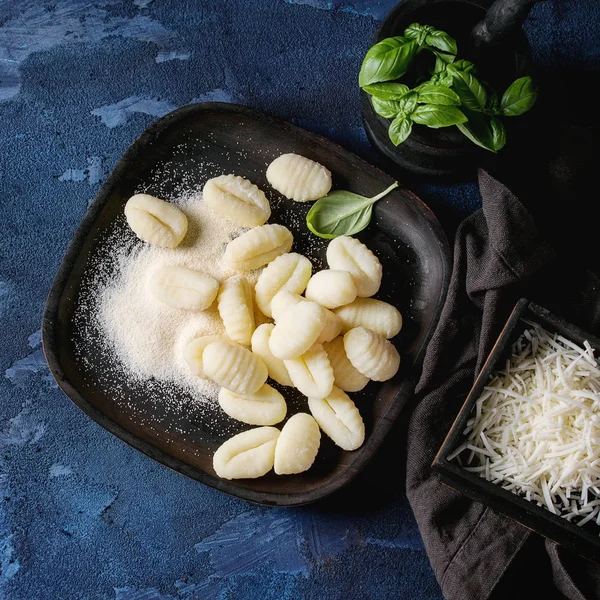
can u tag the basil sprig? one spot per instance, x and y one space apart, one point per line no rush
342 213
453 95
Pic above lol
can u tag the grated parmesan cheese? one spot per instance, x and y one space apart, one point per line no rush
535 429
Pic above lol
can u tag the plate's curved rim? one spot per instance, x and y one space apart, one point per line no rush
65 268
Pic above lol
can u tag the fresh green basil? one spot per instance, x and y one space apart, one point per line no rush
388 109
399 129
342 213
418 32
387 60
478 129
436 116
442 41
437 94
463 65
470 91
519 97
498 133
387 91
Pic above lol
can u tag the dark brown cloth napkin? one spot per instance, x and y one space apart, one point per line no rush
534 237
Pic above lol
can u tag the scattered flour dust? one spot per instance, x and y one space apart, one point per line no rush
146 336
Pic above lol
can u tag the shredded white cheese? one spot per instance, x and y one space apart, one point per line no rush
535 429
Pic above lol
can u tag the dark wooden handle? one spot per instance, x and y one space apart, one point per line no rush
501 19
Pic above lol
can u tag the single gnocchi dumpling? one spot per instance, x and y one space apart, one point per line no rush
260 346
257 247
346 376
290 271
237 199
297 330
236 308
371 354
339 418
265 407
184 288
192 353
247 455
331 288
285 299
299 178
311 373
155 221
376 315
297 445
234 367
346 253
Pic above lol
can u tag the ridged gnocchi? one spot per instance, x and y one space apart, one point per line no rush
247 455
257 247
331 288
371 354
236 308
192 353
260 346
346 376
349 254
237 199
265 407
234 367
155 221
376 315
297 445
290 271
311 373
184 288
297 330
298 177
285 299
339 418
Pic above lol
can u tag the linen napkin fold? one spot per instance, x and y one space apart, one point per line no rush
532 238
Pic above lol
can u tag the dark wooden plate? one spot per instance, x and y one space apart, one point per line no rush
185 148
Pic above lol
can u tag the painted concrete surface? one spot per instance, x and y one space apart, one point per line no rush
82 515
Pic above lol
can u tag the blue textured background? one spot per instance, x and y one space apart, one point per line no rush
82 515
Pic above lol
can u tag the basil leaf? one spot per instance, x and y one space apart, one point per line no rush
498 133
441 60
470 91
442 78
442 41
493 103
387 91
438 116
386 60
519 97
342 213
478 129
386 108
400 129
437 94
463 65
418 32
408 102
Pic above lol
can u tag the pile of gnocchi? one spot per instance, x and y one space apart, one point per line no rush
325 335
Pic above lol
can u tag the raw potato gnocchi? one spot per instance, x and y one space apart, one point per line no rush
299 178
297 330
297 445
234 367
371 354
331 288
311 373
257 247
184 288
260 346
290 271
265 407
236 309
247 455
339 418
346 376
237 200
192 353
376 315
155 221
285 299
349 254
